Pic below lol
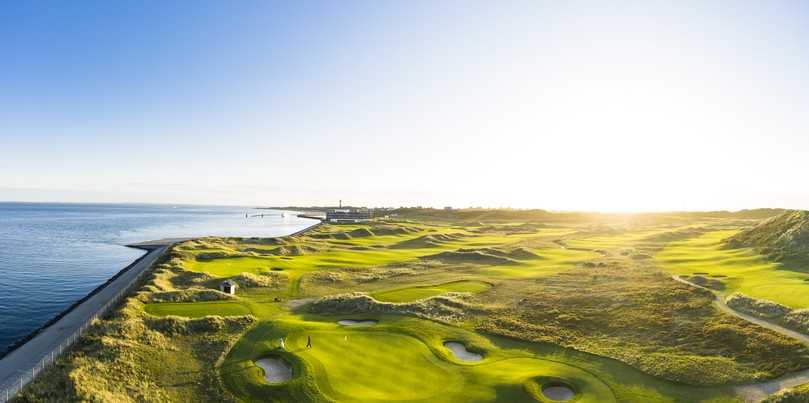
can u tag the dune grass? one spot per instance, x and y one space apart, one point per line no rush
742 270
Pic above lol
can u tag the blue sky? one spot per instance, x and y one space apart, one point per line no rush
564 105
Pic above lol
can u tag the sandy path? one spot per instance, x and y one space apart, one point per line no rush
756 392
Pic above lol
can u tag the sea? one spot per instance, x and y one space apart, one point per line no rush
53 254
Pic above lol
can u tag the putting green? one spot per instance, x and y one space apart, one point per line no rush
397 360
377 366
742 269
408 294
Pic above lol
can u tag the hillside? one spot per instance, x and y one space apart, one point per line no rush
783 237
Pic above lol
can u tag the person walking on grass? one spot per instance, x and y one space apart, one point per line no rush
283 345
308 341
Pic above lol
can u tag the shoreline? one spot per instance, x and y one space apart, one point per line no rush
21 341
29 355
148 247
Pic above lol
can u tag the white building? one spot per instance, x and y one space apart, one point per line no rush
228 287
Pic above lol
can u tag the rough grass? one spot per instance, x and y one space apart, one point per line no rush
132 357
646 319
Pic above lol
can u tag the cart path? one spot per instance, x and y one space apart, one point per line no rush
756 392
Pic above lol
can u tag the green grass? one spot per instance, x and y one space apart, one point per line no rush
423 291
374 251
399 359
198 309
744 270
403 359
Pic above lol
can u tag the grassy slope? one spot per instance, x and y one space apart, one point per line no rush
742 270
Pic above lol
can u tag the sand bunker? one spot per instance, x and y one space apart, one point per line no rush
275 369
352 322
558 392
461 353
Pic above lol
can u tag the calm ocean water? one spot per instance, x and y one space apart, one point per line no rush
52 255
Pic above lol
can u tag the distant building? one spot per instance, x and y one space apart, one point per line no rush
448 208
228 287
349 215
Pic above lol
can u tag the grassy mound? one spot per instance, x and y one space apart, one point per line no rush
265 279
795 319
510 229
523 254
706 282
452 307
385 230
294 250
427 241
173 325
408 294
216 255
757 307
264 241
783 237
475 256
360 232
188 295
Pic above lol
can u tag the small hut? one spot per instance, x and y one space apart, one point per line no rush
228 287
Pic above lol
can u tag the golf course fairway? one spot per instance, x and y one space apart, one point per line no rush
415 293
740 270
